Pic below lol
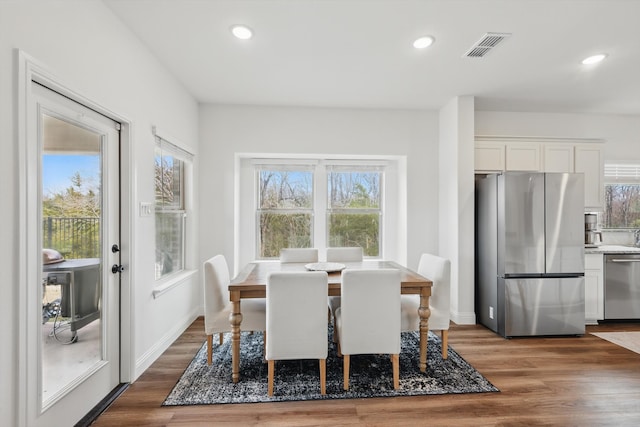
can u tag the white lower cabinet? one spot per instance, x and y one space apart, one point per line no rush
593 288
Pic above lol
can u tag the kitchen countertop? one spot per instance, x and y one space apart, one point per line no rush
612 249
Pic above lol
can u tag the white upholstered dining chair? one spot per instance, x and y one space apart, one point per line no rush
438 270
217 305
348 254
296 322
298 255
368 320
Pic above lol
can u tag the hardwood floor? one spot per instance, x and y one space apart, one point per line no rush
572 381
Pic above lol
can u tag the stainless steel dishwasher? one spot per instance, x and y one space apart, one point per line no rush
622 286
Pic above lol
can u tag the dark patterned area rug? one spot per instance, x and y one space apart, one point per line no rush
371 375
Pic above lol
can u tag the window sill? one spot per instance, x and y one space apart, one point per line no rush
172 281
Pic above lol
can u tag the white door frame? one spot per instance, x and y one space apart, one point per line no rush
29 252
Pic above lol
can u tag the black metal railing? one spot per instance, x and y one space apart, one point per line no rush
72 237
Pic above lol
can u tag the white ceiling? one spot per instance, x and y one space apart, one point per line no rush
359 54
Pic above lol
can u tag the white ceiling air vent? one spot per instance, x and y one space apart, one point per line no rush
485 44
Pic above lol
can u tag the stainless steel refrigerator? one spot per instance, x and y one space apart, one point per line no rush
530 253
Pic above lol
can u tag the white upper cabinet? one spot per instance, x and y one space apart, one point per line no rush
499 154
489 156
522 157
558 158
589 160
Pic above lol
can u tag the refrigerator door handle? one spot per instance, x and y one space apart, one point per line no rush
541 276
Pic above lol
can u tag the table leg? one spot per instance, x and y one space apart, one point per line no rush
424 312
235 318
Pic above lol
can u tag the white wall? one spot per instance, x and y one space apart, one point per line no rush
620 133
225 130
87 48
456 203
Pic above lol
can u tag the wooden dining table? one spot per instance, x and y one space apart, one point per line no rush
251 283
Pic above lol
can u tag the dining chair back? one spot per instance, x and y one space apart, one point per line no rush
298 255
347 254
296 320
438 270
217 305
368 320
350 254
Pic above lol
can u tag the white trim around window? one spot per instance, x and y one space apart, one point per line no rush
393 236
184 153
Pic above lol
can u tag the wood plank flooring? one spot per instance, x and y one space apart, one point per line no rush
567 381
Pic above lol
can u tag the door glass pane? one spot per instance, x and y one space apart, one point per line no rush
71 212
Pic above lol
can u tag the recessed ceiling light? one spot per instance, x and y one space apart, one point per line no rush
242 32
423 42
594 59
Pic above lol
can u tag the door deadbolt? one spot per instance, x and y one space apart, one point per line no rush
115 248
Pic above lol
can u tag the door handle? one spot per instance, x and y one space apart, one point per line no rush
117 268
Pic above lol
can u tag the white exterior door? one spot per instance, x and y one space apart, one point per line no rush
73 313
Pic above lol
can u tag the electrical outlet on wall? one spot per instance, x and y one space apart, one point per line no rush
490 312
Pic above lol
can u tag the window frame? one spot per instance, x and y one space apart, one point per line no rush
619 174
164 147
287 167
241 202
320 171
355 168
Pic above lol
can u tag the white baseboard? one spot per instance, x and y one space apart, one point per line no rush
146 360
465 318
